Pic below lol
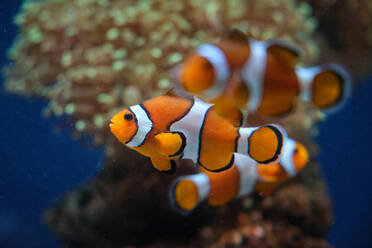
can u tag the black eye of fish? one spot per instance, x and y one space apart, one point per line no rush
128 117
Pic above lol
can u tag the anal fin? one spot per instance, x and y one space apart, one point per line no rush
164 165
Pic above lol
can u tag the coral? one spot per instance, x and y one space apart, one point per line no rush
91 57
346 26
116 211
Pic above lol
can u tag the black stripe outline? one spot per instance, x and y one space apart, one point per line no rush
241 118
200 136
228 166
231 162
192 101
237 140
172 169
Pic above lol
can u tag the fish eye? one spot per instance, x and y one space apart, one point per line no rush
128 117
296 151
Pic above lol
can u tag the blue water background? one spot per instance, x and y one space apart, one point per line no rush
38 166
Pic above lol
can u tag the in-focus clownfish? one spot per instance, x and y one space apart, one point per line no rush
245 177
166 128
260 76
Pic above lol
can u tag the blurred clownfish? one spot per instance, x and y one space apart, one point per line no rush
259 76
245 177
166 128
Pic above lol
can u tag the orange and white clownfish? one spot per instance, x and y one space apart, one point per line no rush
260 76
166 128
245 177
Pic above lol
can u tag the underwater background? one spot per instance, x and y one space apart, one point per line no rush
38 165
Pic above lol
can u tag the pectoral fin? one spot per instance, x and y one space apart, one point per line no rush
170 144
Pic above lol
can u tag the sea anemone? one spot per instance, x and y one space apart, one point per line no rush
91 57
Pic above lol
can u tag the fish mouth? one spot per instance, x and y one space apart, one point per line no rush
111 124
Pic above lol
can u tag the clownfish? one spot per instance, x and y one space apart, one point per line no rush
259 76
167 127
243 178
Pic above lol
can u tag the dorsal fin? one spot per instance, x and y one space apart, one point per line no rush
287 52
237 35
170 92
178 92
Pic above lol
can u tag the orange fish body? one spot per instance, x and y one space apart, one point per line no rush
245 177
209 74
166 128
260 76
207 71
275 82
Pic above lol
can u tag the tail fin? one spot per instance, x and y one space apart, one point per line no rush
293 159
326 86
291 162
263 144
188 191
